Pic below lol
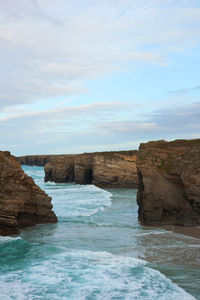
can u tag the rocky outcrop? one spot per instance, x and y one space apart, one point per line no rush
37 160
60 170
83 168
105 169
115 170
22 202
169 182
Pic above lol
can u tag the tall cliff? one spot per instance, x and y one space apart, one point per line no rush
169 182
105 169
115 170
22 202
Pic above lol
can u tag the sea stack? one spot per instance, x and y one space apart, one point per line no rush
22 202
169 182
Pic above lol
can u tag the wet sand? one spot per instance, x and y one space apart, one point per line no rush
193 231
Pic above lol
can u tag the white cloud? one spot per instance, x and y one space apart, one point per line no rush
97 126
174 122
88 110
49 48
153 58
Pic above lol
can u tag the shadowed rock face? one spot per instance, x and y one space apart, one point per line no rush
36 160
83 168
60 170
22 202
169 182
106 169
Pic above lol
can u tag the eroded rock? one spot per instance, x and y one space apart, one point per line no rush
60 170
105 169
83 168
36 160
115 170
169 182
22 202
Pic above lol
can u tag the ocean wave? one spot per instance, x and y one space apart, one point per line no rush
82 274
80 213
154 232
8 239
79 200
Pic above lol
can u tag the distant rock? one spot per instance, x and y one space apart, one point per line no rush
22 202
115 169
167 175
169 182
60 170
36 160
105 169
83 168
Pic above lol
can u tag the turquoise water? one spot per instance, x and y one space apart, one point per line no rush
97 250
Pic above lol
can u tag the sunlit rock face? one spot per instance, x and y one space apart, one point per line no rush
105 169
115 170
169 182
22 202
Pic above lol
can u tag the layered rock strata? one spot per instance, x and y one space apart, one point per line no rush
115 170
105 169
169 182
60 169
22 202
36 160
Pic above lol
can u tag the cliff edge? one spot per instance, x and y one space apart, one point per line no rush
37 160
22 202
104 169
169 182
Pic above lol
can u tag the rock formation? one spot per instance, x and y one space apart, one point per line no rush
83 168
36 160
167 176
22 202
105 169
115 169
60 169
169 182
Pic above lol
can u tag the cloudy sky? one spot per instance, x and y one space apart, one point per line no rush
90 75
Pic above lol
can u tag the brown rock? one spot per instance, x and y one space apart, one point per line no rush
22 202
36 160
83 170
115 170
169 182
106 169
60 170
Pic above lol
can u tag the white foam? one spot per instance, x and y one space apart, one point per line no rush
72 200
79 200
103 275
153 232
119 276
78 274
49 183
7 239
79 213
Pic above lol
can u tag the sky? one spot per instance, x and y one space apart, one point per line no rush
88 75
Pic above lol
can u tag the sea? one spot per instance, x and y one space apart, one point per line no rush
97 250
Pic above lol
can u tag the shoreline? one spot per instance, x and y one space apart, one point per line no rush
192 231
